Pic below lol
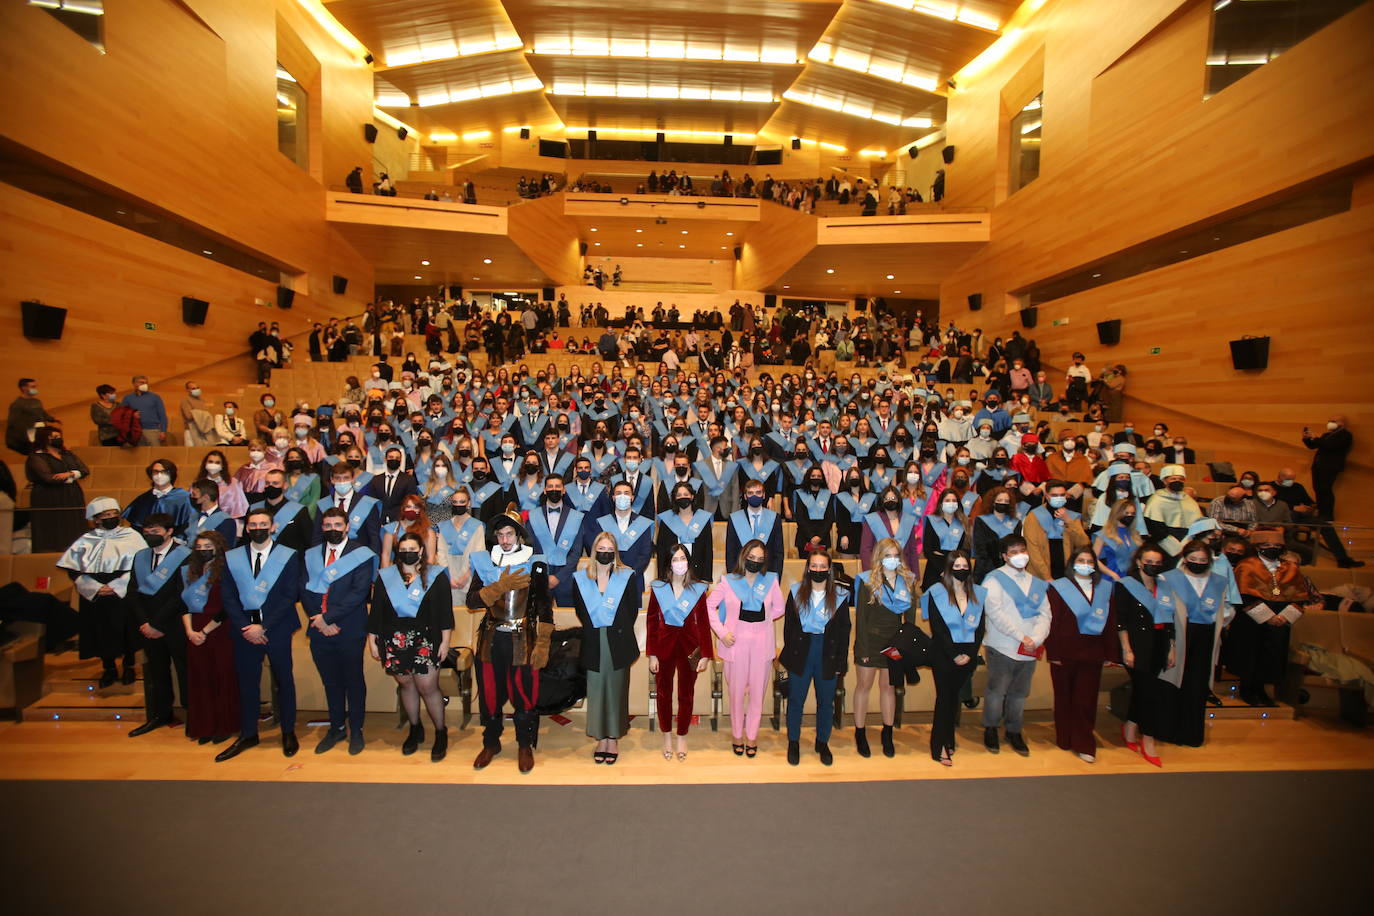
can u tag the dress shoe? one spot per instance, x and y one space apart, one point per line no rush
238 747
331 738
990 740
1130 745
1213 699
1018 743
150 725
289 744
356 743
794 752
203 741
1262 698
972 702
526 759
889 749
861 743
484 757
1348 563
412 742
107 677
440 748
823 750
130 675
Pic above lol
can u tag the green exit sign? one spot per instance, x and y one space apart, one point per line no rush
1154 351
149 326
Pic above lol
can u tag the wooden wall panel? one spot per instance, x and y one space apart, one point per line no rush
548 237
782 237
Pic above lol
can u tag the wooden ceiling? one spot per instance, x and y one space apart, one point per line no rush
674 238
454 257
861 270
479 47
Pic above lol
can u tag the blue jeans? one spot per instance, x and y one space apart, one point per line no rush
798 684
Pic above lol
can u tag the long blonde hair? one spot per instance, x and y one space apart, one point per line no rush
1113 526
881 550
589 565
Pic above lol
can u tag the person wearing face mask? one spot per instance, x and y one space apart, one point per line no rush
633 532
682 523
232 499
1169 512
209 515
107 434
886 602
303 431
816 626
268 419
854 501
607 604
411 519
408 631
459 538
1234 510
54 474
212 690
954 607
302 483
754 521
154 599
896 518
393 484
1018 620
197 418
635 475
1146 631
230 427
813 509
334 595
679 643
1118 540
100 563
1083 637
292 520
558 531
1028 461
1070 465
151 411
1053 532
26 415
364 511
587 494
946 530
721 486
741 609
1273 593
161 497
998 516
260 594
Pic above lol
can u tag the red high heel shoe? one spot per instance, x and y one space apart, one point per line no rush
1130 745
1151 760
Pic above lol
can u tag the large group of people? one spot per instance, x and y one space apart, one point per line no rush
934 530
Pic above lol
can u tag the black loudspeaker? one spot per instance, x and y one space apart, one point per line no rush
340 285
912 151
582 248
738 252
548 294
455 291
193 311
401 133
524 133
1029 316
1248 353
370 133
368 58
661 137
591 135
770 301
43 322
947 154
1109 332
860 304
729 140
975 301
285 296
796 143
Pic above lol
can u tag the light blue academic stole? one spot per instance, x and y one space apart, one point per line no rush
485 492
857 508
750 598
285 514
1159 613
362 479
715 485
861 446
770 467
560 464
151 580
555 548
896 598
811 608
950 533
196 593
1000 525
963 628
491 441
1027 602
489 572
357 515
843 462
1199 608
1119 550
405 601
441 495
796 471
253 591
786 441
527 494
740 520
815 506
319 576
1092 617
297 489
531 432
881 480
1053 527
601 606
209 524
929 477
677 608
456 538
602 464
686 532
624 541
877 523
422 469
580 503
503 476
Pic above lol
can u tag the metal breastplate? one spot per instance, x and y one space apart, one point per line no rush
509 612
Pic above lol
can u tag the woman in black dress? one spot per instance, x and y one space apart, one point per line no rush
954 607
1146 629
57 499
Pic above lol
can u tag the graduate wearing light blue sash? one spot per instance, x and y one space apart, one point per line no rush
607 613
956 632
816 629
634 542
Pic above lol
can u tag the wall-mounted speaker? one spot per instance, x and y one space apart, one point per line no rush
340 285
370 133
770 301
975 301
368 58
661 137
1250 353
861 304
193 311
738 252
913 152
455 291
729 140
548 293
401 133
796 143
1109 332
947 154
42 322
591 135
524 133
582 248
1029 316
285 297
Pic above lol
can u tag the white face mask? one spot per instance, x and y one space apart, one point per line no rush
195 392
213 467
143 386
949 508
1019 561
255 457
343 487
282 445
1333 426
1069 445
441 472
161 479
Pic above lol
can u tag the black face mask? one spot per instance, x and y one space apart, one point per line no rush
1175 486
854 482
335 537
259 535
818 575
206 554
813 485
891 505
755 452
480 476
109 524
553 497
605 557
683 503
155 540
393 464
295 465
1271 553
999 462
1194 567
1001 508
753 566
960 574
408 557
354 463
55 442
272 493
1152 569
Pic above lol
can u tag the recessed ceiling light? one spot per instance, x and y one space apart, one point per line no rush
891 277
597 244
1095 276
896 292
424 263
785 286
639 244
417 276
488 260
729 233
830 270
476 278
639 230
682 246
593 228
722 247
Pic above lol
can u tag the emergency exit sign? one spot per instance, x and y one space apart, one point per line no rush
1154 351
149 326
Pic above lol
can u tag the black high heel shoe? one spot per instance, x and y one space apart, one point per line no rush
738 749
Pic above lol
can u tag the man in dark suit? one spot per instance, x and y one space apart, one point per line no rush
1179 452
292 520
558 531
334 593
384 370
155 603
209 516
392 485
1328 460
754 521
261 586
364 512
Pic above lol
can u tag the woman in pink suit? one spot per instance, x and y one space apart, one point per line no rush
741 610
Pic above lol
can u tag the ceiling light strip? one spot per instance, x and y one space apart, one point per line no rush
856 109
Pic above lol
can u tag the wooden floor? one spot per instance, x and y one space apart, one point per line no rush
101 750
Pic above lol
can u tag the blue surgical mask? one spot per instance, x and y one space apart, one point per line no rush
891 563
1056 502
622 501
1083 569
508 448
631 464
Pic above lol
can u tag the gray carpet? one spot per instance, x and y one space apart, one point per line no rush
1151 844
